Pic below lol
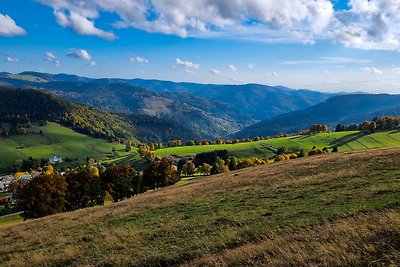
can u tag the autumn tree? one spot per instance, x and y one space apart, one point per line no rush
43 195
121 181
204 169
85 189
189 168
159 174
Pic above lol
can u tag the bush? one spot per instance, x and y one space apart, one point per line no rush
315 151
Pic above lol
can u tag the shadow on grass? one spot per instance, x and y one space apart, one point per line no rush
346 139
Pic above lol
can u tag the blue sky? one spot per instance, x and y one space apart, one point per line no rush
317 44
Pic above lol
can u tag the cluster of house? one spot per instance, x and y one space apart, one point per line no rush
6 180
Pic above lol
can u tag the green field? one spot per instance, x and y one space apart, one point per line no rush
345 141
56 140
10 219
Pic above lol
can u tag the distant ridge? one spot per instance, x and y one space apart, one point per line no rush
210 110
345 109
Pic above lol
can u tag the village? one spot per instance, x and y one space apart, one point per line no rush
8 183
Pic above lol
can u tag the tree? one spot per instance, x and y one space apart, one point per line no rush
365 127
119 181
43 195
182 162
218 166
302 153
159 174
128 147
204 169
232 163
85 189
372 126
282 150
189 168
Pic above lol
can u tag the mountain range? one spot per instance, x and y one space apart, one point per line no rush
343 109
163 109
209 110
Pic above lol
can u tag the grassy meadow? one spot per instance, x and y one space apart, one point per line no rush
339 209
56 140
345 141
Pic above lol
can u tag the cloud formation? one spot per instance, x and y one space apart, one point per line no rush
215 72
11 60
80 54
186 64
9 28
49 56
273 74
232 67
367 24
139 60
372 70
81 25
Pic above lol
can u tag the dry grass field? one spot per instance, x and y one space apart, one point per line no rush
330 210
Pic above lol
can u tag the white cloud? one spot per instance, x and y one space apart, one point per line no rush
215 72
232 67
273 74
93 63
80 54
193 17
81 25
327 60
367 24
186 64
139 60
9 28
49 56
250 66
11 60
372 70
327 72
396 69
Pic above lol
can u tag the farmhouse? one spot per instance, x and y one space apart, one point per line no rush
55 160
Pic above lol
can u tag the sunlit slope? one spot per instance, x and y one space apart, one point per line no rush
345 141
55 140
337 209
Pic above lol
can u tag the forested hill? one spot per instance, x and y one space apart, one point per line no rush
344 109
26 105
29 105
210 110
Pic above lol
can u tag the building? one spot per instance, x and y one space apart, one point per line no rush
55 160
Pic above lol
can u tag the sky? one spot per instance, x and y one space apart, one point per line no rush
323 45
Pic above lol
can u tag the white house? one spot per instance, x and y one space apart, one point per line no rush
55 160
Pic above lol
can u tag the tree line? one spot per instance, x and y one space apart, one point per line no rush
377 123
88 186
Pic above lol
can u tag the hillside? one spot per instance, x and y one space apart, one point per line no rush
343 109
192 112
55 140
344 141
21 105
208 109
339 209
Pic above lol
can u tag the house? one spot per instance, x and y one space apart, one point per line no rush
55 160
